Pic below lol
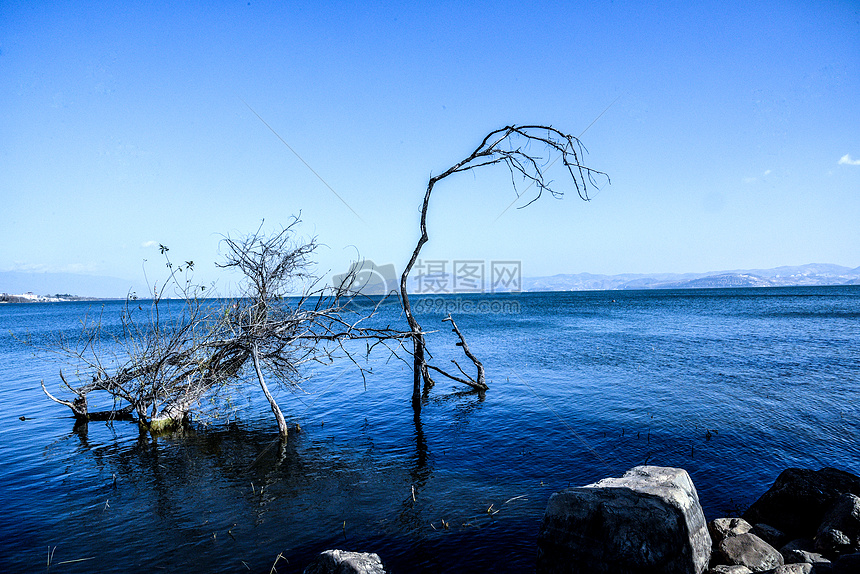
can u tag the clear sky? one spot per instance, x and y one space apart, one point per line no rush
732 134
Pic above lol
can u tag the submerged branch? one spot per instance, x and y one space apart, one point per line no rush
467 351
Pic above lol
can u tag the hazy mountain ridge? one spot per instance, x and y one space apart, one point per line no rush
813 274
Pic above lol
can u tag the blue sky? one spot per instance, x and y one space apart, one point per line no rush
732 134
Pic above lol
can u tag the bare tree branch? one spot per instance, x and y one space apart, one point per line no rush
182 350
510 146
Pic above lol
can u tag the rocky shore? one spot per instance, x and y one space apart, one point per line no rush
650 521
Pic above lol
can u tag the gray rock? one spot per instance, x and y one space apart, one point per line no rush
799 498
650 520
839 532
833 542
722 528
792 569
799 544
769 534
804 568
803 557
724 569
343 562
748 550
801 551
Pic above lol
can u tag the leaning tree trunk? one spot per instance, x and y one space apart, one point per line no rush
419 369
282 424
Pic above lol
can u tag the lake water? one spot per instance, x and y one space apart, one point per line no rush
734 385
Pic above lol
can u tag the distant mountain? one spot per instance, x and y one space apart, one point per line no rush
17 282
811 274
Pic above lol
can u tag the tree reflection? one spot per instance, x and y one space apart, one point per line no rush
212 499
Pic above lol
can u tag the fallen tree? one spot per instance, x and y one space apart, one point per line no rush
163 362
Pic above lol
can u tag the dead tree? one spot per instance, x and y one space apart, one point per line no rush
280 335
162 366
165 357
518 148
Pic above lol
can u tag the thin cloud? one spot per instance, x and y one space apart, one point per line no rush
846 160
29 267
85 268
74 268
147 244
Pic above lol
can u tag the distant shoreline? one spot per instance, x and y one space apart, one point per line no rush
58 298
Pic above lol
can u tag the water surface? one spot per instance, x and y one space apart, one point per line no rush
734 385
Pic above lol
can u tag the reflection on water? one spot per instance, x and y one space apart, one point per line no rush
223 498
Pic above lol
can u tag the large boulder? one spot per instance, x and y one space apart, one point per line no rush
839 532
799 498
343 562
647 521
748 550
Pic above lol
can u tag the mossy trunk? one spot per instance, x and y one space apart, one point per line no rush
164 424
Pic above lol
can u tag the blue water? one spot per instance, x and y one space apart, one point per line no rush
582 386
